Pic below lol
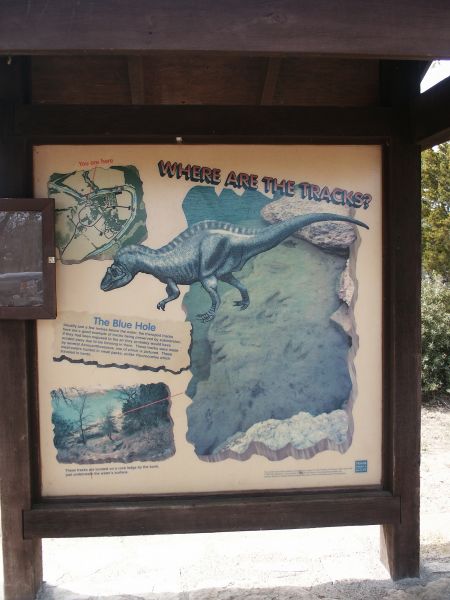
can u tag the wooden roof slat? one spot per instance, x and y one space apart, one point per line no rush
404 29
270 82
136 79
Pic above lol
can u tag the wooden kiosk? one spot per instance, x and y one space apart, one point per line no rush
284 73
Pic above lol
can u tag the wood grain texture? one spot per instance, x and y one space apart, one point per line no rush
402 29
328 82
270 81
80 79
136 79
400 543
208 514
22 559
204 79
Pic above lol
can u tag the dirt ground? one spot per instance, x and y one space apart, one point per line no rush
327 564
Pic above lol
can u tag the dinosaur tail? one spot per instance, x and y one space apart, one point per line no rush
273 235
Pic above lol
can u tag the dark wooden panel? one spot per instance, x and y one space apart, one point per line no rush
204 79
80 80
270 81
401 543
195 515
136 79
200 79
328 82
14 75
406 28
22 562
431 115
22 559
196 122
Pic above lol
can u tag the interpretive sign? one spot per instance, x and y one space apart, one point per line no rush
219 319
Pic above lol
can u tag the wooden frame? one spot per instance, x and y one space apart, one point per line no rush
131 516
46 309
26 517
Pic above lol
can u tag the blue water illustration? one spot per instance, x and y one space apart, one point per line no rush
279 357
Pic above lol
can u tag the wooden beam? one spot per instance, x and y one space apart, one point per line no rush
270 81
412 29
196 123
136 79
400 543
22 559
430 115
400 82
14 79
200 514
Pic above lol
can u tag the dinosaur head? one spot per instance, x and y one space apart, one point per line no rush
117 275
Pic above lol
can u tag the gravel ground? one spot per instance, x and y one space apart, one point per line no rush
327 564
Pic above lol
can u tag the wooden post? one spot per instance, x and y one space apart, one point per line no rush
400 542
22 559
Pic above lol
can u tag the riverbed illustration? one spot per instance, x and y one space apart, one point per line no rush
122 424
275 379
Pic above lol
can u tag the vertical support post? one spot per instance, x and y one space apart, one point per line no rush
22 559
400 542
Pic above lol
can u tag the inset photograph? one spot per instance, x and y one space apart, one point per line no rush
122 424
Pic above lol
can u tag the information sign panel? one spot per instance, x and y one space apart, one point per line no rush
220 319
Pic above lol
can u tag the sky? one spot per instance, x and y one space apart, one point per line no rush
439 70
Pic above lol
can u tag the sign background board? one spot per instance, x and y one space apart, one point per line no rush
346 167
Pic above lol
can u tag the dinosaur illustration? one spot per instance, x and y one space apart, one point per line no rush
208 252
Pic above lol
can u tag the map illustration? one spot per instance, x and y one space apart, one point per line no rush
97 212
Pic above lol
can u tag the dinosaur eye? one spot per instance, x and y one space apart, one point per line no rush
116 271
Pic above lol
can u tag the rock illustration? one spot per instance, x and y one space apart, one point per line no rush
329 235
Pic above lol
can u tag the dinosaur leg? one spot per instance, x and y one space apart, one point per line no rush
172 294
210 285
245 300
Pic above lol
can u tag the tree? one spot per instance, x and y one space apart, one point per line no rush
108 425
435 336
436 210
62 429
145 407
77 400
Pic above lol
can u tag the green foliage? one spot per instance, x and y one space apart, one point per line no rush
436 210
144 407
435 335
62 429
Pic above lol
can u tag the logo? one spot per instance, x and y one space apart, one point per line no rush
360 466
